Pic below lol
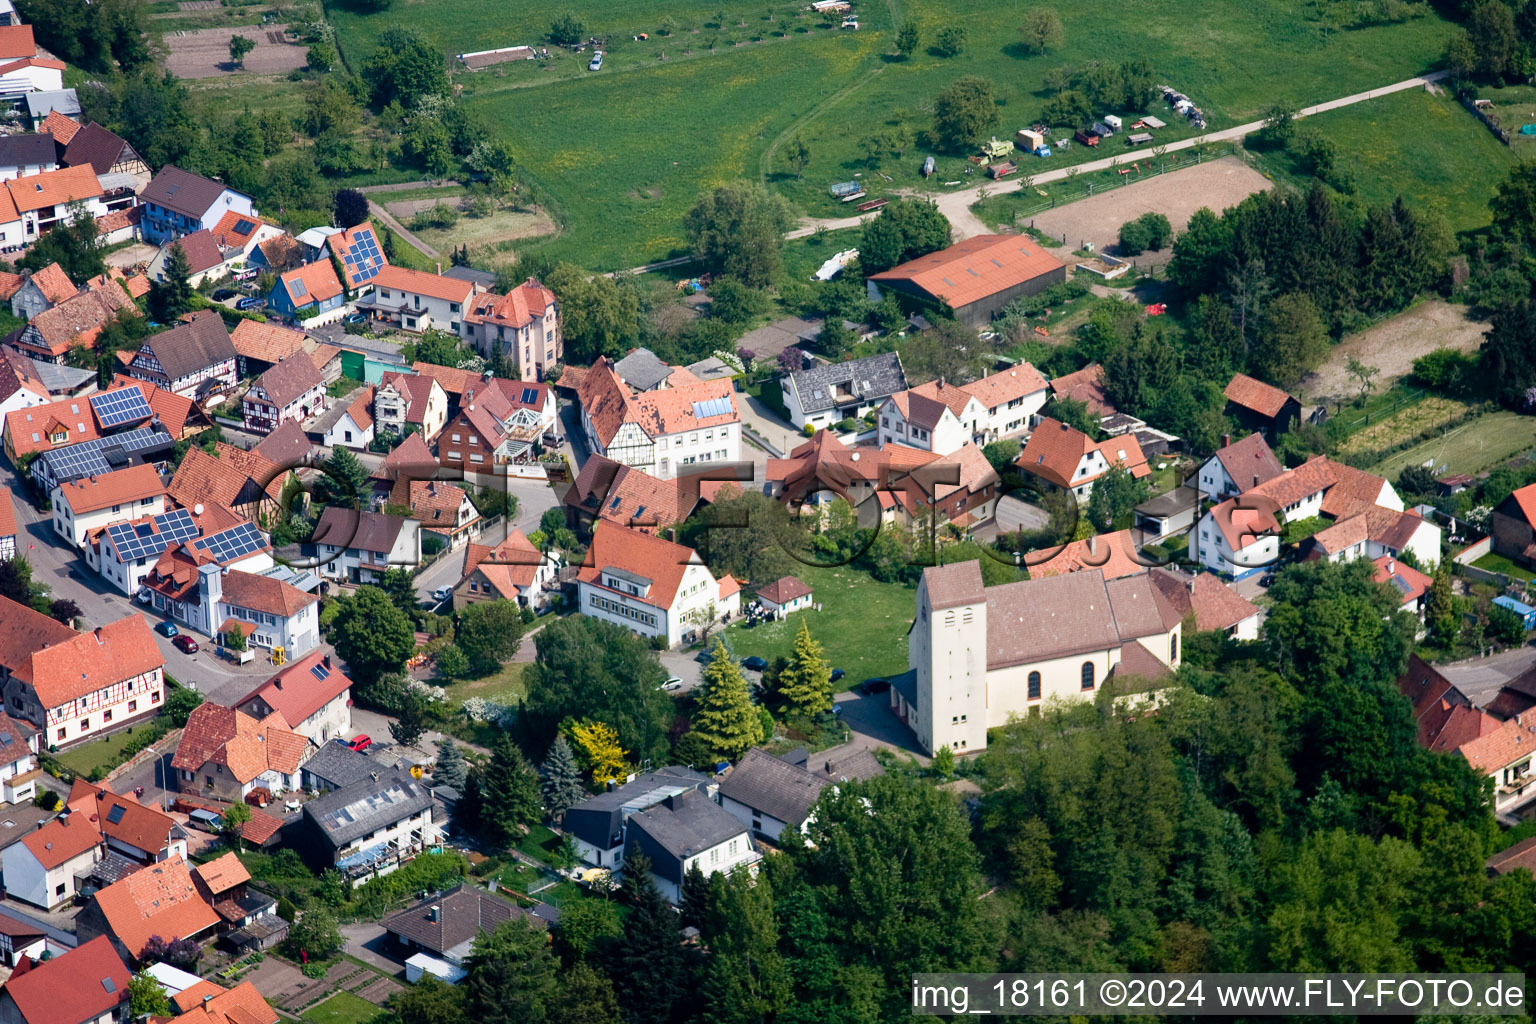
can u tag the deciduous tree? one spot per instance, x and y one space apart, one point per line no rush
738 230
908 37
1042 30
965 113
372 635
600 749
904 230
599 316
489 632
239 46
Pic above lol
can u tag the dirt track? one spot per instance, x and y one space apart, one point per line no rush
1176 194
205 52
1393 345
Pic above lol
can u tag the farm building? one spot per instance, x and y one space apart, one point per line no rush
975 278
1262 407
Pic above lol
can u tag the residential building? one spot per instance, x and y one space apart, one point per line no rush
41 290
369 827
21 385
337 766
513 570
974 278
75 322
935 417
1513 524
689 830
190 586
1240 536
287 445
277 254
358 252
359 547
644 370
613 492
828 393
404 400
25 154
311 695
129 830
100 455
177 203
598 824
651 586
20 939
160 900
30 76
1086 386
455 382
242 1004
43 200
1238 467
8 528
19 770
661 431
16 41
1504 754
444 511
126 552
1065 458
310 294
1170 513
93 503
437 935
87 985
226 754
769 794
1262 407
103 151
523 325
1215 605
348 423
207 258
784 595
190 359
1011 400
499 421
43 867
1411 585
981 655
41 105
290 392
1378 533
416 301
243 233
237 479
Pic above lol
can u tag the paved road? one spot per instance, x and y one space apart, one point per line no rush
1481 678
534 498
957 205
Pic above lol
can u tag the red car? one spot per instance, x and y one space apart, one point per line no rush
185 644
360 743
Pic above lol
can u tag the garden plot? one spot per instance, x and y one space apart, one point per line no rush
204 53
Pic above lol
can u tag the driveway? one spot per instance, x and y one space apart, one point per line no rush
368 942
1013 513
534 498
872 726
1481 678
768 425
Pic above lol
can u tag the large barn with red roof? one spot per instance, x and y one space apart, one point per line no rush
975 278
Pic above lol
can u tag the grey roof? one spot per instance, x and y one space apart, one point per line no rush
866 379
41 104
318 426
711 368
773 787
482 278
290 378
365 531
338 766
96 146
57 377
680 827
189 348
21 150
288 445
182 191
304 579
767 342
906 685
364 807
642 369
1180 499
462 914
598 820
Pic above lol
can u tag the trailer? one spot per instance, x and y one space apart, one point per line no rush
1101 129
845 190
928 167
1087 138
1113 121
1153 122
1029 140
1002 170
1139 139
873 204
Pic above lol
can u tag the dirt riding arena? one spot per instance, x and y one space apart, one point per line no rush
1176 194
205 53
1393 345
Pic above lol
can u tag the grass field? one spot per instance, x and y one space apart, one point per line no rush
1510 568
1513 106
342 1008
862 625
96 753
1383 141
1481 444
621 154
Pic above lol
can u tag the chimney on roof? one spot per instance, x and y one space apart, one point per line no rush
1391 567
1190 584
207 1000
1226 439
436 913
1065 427
1093 545
327 661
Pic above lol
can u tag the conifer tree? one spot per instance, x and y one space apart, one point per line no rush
1440 608
694 900
805 685
452 770
171 296
561 778
725 717
747 978
648 970
507 792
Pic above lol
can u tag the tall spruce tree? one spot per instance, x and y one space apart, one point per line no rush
649 973
1440 608
507 792
725 717
561 778
694 900
805 684
511 977
747 978
172 295
452 770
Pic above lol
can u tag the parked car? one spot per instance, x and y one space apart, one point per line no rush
754 663
354 318
166 629
224 293
672 683
837 674
872 686
597 61
185 644
442 593
250 303
361 742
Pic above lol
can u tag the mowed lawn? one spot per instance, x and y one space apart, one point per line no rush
621 154
342 1008
1423 147
862 625
1471 448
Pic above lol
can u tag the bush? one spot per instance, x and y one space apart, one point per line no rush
1149 231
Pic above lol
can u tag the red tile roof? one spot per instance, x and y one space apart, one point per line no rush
1214 604
1055 450
660 561
1409 583
227 232
120 487
1299 484
242 1004
1249 462
201 250
1086 386
220 478
267 342
222 873
1004 386
17 41
54 283
261 827
62 840
7 515
1353 491
628 496
416 389
784 590
157 900
298 691
520 306
81 985
975 268
53 188
1113 554
1246 524
1511 741
61 126
264 594
511 566
1525 499
419 282
1264 399
452 379
87 662
77 320
319 280
136 825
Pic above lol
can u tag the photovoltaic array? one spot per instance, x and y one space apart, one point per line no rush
148 540
363 258
235 542
711 407
123 405
87 458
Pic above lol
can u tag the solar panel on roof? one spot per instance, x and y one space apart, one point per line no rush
61 465
244 227
124 405
297 287
235 542
711 407
148 540
115 815
320 671
530 396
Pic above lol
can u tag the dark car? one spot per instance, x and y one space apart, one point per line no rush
185 644
754 663
166 628
250 303
224 293
1267 579
354 318
873 686
837 674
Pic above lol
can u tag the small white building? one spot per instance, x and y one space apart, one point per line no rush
650 585
930 420
41 869
1012 400
1238 467
348 423
88 504
784 595
291 391
417 301
193 589
687 831
1239 537
828 393
25 154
